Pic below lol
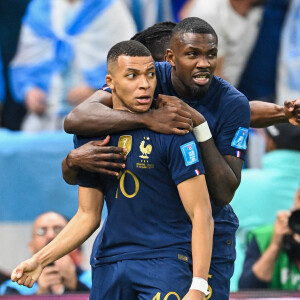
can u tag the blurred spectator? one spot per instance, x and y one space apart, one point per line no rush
258 80
2 88
273 253
236 23
62 54
11 13
64 276
148 12
265 191
288 81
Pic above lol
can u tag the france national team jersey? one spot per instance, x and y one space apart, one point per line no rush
146 218
227 113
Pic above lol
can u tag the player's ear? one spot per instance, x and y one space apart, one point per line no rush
109 81
170 57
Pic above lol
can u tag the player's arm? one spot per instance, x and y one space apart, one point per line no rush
94 117
264 114
194 196
223 172
81 226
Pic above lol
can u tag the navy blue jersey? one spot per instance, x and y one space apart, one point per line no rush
227 113
146 218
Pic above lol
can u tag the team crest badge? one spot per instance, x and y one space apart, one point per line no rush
145 149
125 141
240 139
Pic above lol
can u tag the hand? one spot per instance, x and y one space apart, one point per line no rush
67 271
95 156
35 100
281 228
162 100
50 281
292 111
78 94
169 119
27 272
194 295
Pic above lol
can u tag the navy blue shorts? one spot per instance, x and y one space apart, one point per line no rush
148 279
156 279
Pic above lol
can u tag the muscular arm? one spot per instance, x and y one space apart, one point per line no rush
194 195
264 114
81 226
93 117
223 173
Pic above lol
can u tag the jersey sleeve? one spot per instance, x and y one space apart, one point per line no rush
232 139
184 157
85 178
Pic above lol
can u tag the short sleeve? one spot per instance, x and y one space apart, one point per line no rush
232 138
86 179
184 157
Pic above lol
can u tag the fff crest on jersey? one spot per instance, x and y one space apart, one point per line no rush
145 149
125 141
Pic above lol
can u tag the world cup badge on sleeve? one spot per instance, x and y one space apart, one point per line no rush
125 141
240 139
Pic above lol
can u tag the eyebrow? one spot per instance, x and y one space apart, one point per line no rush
137 71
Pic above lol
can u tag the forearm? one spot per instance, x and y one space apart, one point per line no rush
202 243
221 180
95 117
80 227
264 114
263 268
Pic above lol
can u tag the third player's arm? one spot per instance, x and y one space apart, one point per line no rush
194 196
264 114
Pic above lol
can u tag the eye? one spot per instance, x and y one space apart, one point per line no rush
131 75
151 74
192 54
212 55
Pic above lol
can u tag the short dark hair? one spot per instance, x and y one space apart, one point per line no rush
127 48
193 25
156 38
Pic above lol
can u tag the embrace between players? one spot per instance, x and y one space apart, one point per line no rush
164 237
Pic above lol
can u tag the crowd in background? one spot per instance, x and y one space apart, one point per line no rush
53 57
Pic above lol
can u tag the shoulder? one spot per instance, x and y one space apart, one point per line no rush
230 98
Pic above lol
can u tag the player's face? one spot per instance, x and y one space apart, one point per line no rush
194 60
45 229
133 83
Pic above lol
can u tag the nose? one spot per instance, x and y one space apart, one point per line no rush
202 62
144 82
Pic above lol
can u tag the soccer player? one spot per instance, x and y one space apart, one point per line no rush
159 214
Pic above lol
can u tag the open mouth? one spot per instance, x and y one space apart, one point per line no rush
144 99
201 78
